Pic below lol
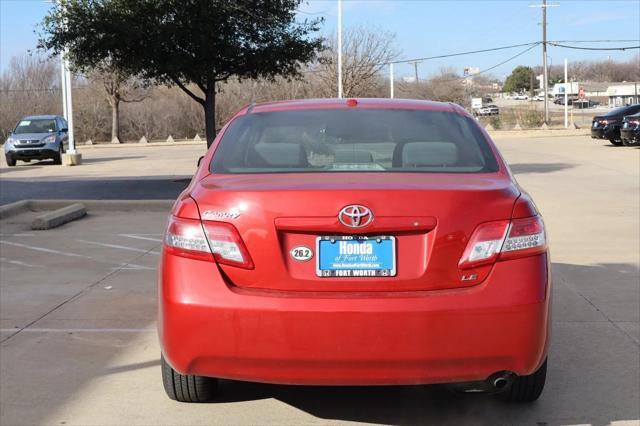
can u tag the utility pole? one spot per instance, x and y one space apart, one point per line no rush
339 48
566 95
415 68
545 78
391 77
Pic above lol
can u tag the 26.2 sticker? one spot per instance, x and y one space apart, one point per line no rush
301 253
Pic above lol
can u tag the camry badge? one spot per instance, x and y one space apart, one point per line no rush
214 214
355 216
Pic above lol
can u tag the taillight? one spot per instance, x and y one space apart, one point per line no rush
207 241
503 240
485 244
226 245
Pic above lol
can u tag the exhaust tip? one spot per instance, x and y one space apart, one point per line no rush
500 383
500 380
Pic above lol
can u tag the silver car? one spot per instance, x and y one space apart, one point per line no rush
37 137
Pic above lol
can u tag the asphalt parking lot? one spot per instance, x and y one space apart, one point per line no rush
77 305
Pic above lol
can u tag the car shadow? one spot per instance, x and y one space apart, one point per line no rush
92 188
580 328
4 170
523 168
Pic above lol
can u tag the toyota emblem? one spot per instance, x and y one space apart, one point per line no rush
355 216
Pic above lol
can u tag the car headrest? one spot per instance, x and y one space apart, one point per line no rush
353 156
279 155
281 135
427 154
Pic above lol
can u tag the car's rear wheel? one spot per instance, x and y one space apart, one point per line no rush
57 158
10 161
526 388
184 388
615 142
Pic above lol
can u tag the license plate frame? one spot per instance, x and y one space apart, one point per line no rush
352 272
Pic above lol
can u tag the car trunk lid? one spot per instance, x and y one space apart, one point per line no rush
429 217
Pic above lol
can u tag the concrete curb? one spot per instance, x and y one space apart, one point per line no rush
106 205
541 133
13 209
59 217
18 207
81 147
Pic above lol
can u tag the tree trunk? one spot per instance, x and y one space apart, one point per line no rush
210 115
115 119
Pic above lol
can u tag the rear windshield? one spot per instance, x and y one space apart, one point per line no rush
36 126
353 140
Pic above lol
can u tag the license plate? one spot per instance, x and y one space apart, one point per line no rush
356 256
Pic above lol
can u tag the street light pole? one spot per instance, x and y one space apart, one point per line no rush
339 48
68 102
72 157
544 60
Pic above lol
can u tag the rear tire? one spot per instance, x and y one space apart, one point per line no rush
57 158
183 388
615 142
10 161
526 388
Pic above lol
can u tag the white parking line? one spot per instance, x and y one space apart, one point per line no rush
17 235
80 330
138 237
42 249
121 265
19 263
115 246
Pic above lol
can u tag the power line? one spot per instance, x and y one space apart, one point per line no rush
595 41
470 52
37 90
565 46
494 66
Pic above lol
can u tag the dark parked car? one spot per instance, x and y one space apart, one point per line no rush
608 126
630 131
585 103
560 100
37 137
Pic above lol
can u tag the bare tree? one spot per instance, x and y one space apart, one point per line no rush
444 86
366 52
28 86
118 88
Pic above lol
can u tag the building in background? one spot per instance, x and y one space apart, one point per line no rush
623 94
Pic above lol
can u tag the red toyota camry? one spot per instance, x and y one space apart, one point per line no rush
354 242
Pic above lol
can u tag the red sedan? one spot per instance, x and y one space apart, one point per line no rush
354 242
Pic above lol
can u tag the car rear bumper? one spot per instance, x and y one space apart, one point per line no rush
210 328
36 154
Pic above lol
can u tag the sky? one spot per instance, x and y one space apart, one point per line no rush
426 28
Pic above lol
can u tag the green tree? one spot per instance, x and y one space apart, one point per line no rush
519 80
193 44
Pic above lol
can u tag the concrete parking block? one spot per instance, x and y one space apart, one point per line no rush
59 217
